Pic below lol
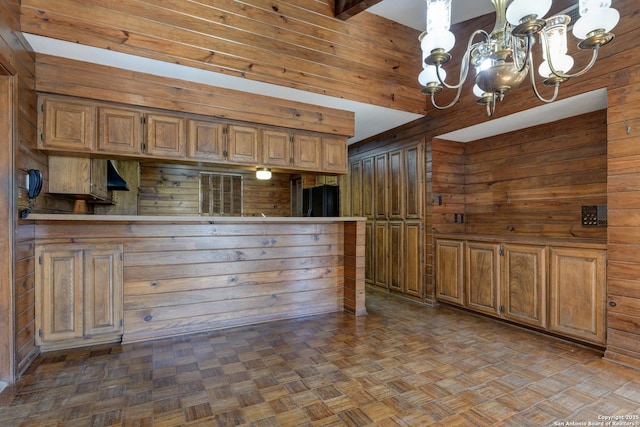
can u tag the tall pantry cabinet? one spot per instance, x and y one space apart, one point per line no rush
387 187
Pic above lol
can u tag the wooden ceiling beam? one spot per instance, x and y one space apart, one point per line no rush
345 9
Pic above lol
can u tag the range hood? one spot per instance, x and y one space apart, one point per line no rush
114 181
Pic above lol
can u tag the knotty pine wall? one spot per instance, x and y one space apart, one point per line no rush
293 44
17 293
173 189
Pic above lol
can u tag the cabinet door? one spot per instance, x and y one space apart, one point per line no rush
59 294
380 254
67 124
368 196
380 182
396 256
482 277
119 130
369 255
242 145
205 140
524 281
356 190
307 153
413 259
396 185
166 136
577 293
413 182
276 148
334 154
103 291
449 271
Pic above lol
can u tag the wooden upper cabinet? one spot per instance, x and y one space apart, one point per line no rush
276 147
413 188
577 293
205 140
81 177
368 195
356 190
396 185
120 130
334 154
66 124
307 153
242 144
166 136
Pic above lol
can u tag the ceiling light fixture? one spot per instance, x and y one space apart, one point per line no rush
263 173
503 57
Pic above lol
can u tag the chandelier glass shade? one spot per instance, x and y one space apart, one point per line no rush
503 58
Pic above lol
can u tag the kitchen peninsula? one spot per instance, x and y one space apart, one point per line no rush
144 277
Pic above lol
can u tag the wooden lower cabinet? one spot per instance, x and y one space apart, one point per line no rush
78 294
450 271
577 291
557 289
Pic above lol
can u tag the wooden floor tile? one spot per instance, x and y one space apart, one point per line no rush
401 365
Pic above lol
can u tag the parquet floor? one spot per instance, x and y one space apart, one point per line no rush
402 365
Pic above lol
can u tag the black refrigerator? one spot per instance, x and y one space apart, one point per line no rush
321 201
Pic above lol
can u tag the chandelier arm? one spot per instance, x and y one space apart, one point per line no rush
527 54
556 87
594 58
451 104
464 66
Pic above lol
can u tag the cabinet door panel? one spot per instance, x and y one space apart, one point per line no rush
396 256
577 288
525 279
205 140
355 181
413 182
396 185
119 130
380 254
67 125
449 271
166 136
413 270
482 277
334 154
307 152
368 195
242 144
59 294
381 193
276 148
103 290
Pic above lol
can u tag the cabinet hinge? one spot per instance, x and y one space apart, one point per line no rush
291 138
40 332
501 309
225 130
121 257
40 260
41 136
42 107
144 147
143 120
501 252
121 322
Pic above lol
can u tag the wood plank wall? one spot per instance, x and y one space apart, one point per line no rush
173 189
623 188
190 277
533 182
17 58
293 44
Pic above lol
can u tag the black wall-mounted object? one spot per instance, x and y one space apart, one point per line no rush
321 201
34 186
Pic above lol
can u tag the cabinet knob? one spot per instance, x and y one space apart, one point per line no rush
612 304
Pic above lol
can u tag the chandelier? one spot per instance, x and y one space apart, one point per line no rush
503 58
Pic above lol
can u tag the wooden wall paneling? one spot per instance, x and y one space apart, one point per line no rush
447 186
177 279
103 83
329 57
